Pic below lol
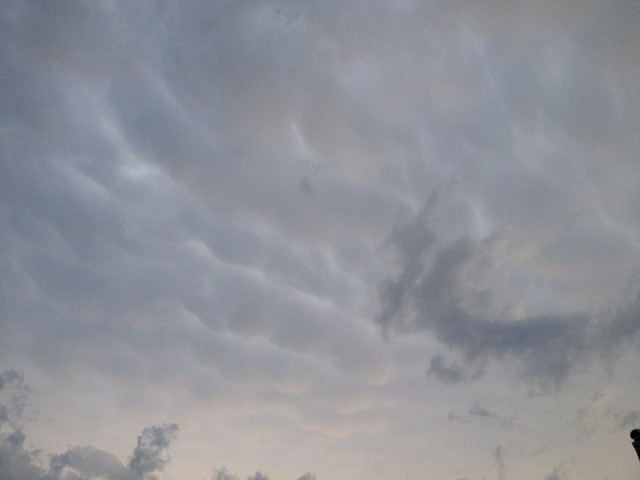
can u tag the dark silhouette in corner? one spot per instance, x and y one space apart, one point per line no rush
635 436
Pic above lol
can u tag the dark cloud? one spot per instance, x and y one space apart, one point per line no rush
13 392
448 287
16 462
150 453
432 292
222 474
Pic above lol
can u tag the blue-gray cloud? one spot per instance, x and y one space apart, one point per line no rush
204 197
433 291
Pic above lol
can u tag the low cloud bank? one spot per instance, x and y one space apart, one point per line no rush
18 462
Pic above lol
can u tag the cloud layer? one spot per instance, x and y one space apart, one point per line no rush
305 230
148 459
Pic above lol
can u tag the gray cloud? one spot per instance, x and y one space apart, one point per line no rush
149 455
478 412
195 198
223 474
449 287
446 373
110 217
88 462
431 292
148 459
554 475
17 462
498 455
630 420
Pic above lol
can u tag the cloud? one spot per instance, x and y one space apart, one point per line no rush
223 474
446 373
149 457
13 392
88 462
478 412
17 462
448 287
630 419
136 208
307 476
149 454
556 474
498 456
195 198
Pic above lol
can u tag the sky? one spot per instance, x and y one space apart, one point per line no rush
319 240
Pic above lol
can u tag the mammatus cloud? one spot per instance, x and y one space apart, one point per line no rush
194 199
17 462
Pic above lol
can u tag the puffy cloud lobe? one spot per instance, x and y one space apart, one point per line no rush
445 371
223 474
87 463
149 455
11 381
16 462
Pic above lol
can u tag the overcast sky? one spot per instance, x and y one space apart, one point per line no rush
326 240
